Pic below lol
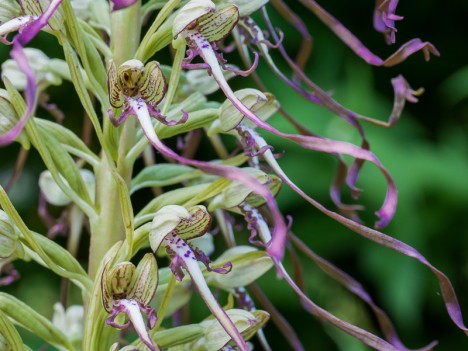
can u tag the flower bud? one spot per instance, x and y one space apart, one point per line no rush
199 80
55 196
263 105
236 193
39 63
248 264
246 322
8 236
125 281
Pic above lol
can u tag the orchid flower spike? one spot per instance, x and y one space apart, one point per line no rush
133 85
128 289
172 226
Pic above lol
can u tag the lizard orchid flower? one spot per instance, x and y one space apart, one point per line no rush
133 85
128 289
172 227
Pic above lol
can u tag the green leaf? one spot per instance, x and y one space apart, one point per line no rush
163 175
28 318
65 165
212 190
126 208
31 242
67 138
10 339
197 119
248 264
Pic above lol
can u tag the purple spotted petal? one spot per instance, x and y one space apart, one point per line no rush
121 4
183 256
355 44
17 54
356 288
385 17
133 310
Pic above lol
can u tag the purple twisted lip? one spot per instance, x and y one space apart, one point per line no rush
17 54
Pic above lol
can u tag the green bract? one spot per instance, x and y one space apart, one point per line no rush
8 236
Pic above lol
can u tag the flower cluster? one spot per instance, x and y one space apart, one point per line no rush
90 180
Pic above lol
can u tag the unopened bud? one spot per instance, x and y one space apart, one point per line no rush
55 196
199 80
263 105
39 63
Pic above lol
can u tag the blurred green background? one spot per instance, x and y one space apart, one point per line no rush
426 152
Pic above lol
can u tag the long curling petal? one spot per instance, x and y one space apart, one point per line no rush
17 53
358 47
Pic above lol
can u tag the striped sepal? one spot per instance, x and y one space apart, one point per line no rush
217 25
113 87
152 84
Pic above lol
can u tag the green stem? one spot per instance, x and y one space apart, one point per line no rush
109 227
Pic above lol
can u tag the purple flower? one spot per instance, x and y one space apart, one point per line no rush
172 226
128 289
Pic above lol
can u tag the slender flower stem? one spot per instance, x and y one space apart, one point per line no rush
109 228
